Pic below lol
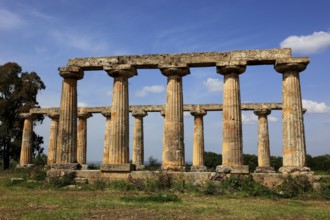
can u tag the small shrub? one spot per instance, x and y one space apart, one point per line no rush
62 180
211 188
100 184
121 185
294 186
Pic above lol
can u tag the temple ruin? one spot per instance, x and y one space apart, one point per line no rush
67 142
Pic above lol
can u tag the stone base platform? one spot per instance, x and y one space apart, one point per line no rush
198 169
292 170
65 166
125 167
264 170
269 180
242 169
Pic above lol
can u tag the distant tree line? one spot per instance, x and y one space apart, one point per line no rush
318 163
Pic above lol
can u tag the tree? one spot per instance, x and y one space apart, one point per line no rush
18 94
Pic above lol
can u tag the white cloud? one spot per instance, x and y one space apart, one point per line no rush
80 41
213 85
82 104
150 89
315 107
249 119
9 20
307 44
272 119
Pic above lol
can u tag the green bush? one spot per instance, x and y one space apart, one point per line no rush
294 186
63 180
121 185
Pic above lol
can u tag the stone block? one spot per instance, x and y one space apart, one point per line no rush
291 170
198 169
125 167
264 170
65 166
233 169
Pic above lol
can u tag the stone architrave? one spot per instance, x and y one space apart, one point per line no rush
138 139
82 137
294 149
26 148
232 144
263 142
173 153
198 145
67 128
52 145
119 132
107 138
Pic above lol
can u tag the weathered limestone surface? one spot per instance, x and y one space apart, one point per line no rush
119 139
52 145
82 137
232 144
107 137
263 141
138 139
26 149
198 144
173 156
294 149
251 57
67 129
160 108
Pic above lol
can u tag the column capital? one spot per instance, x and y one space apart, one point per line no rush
121 70
162 113
84 115
199 112
262 111
106 114
291 64
53 115
227 67
71 72
175 71
139 113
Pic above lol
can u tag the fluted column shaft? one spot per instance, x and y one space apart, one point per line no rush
263 137
67 129
52 144
232 144
138 139
82 138
294 149
119 132
26 148
173 155
107 137
198 144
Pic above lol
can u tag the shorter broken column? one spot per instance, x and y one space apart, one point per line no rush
52 145
198 145
107 137
263 142
26 149
138 145
82 138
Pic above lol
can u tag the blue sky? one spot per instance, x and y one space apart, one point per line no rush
42 35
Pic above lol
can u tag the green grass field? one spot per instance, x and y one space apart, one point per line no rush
34 200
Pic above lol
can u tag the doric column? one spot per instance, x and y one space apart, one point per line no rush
52 145
138 145
198 145
26 148
119 132
173 156
82 137
232 144
107 138
263 142
294 149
